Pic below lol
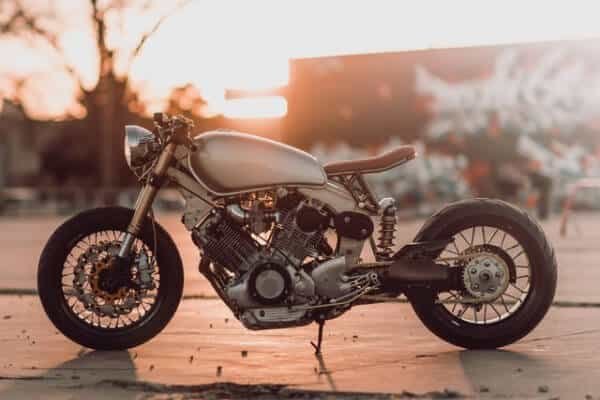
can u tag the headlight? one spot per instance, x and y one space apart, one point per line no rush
139 146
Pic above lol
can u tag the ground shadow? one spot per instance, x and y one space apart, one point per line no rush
77 373
323 371
493 369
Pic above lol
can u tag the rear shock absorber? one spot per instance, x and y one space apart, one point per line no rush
388 227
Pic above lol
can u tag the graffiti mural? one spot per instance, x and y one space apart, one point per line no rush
519 122
556 93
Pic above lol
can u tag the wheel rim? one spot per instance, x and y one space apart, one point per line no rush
462 304
85 300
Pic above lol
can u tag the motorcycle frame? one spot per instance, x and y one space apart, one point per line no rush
342 192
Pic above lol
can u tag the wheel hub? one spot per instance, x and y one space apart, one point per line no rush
486 276
108 282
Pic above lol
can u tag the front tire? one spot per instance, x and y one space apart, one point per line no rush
528 309
84 328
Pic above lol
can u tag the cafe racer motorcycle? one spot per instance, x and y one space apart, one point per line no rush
286 241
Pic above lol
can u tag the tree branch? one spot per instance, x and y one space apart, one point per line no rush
21 19
136 52
11 25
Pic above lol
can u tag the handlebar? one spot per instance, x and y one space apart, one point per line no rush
166 121
176 128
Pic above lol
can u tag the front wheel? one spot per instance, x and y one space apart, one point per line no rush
98 303
508 275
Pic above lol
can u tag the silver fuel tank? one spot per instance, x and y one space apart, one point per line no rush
231 162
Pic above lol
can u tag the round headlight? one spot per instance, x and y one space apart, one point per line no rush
138 146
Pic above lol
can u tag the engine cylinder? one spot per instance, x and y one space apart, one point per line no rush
224 243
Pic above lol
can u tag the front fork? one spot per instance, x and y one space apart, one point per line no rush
146 198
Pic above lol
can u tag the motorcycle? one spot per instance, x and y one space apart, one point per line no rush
281 240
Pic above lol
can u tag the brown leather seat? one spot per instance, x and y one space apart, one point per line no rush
382 162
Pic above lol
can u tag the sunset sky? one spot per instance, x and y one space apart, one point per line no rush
241 44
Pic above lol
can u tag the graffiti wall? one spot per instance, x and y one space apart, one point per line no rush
513 118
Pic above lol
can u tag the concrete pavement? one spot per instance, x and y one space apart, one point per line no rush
375 349
382 350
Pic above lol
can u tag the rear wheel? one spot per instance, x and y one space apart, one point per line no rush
96 302
508 275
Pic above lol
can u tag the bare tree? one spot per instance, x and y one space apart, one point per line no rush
106 101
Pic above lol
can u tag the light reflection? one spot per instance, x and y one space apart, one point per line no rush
260 107
230 44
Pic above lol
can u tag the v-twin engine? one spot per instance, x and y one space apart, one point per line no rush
273 282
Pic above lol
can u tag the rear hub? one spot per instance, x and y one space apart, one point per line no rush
487 275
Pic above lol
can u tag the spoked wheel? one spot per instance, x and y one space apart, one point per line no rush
93 299
496 275
507 275
98 293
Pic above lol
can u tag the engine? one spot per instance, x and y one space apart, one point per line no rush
260 278
268 259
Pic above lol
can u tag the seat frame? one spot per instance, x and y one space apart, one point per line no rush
362 194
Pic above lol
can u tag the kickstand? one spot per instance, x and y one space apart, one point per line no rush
317 346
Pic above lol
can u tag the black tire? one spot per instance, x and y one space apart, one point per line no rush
542 262
50 270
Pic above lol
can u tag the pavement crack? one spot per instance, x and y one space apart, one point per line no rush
202 296
578 333
25 378
270 391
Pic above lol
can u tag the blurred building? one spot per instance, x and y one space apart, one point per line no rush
19 160
523 117
549 88
508 110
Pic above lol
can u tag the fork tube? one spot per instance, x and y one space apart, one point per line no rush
146 198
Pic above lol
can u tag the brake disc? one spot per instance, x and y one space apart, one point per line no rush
92 282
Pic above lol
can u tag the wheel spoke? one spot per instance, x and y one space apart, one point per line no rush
452 252
512 247
518 255
504 303
455 247
464 238
495 310
454 307
452 296
503 239
493 235
518 288
484 312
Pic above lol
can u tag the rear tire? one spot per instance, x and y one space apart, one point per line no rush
50 273
542 282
